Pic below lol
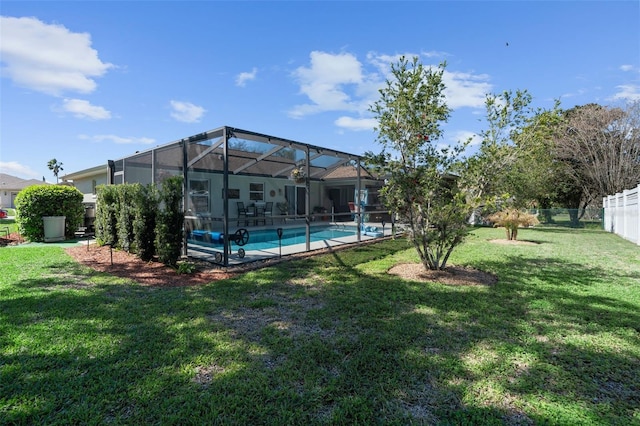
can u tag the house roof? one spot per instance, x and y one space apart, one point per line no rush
10 183
348 172
93 171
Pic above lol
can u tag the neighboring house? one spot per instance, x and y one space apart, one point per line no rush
11 185
86 181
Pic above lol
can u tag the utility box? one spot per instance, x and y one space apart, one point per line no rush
53 228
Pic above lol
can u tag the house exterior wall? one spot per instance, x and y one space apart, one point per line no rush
240 190
7 198
87 185
273 190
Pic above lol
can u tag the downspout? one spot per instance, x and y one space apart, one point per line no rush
111 169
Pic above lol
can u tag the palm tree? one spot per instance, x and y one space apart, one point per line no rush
55 167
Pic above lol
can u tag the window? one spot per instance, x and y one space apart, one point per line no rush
199 196
256 191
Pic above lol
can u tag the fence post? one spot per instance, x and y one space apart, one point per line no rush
614 213
605 213
638 214
625 214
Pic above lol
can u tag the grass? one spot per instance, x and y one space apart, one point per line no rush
331 339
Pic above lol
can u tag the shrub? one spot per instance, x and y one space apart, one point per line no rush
128 216
34 202
186 268
144 224
511 219
170 220
107 207
127 194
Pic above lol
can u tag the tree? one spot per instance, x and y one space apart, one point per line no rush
602 147
487 176
418 189
532 178
55 167
538 177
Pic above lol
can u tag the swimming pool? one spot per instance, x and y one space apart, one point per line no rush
265 239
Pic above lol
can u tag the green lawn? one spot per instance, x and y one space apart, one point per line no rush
331 340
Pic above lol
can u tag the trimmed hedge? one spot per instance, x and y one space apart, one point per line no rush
144 224
129 217
107 208
127 195
34 202
170 221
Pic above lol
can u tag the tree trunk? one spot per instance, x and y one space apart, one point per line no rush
574 220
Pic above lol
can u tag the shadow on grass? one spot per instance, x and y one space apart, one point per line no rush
554 229
581 344
317 341
109 354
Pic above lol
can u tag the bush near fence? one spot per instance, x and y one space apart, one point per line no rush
591 217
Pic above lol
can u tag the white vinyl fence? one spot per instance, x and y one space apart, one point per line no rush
622 214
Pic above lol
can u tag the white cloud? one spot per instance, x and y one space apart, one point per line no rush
434 54
465 89
630 92
340 82
626 68
383 62
117 139
83 109
186 112
48 58
356 124
324 81
464 135
243 77
14 168
579 92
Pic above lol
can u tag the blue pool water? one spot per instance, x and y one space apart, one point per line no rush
268 238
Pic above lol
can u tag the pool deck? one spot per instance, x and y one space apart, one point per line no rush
207 253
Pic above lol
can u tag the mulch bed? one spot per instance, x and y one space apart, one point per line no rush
129 266
11 240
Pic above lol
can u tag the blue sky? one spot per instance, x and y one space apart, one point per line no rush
84 82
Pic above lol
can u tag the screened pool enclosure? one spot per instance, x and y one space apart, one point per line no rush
250 196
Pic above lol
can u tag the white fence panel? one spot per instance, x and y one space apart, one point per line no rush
622 214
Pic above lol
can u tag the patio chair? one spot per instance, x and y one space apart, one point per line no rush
242 213
268 212
260 217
